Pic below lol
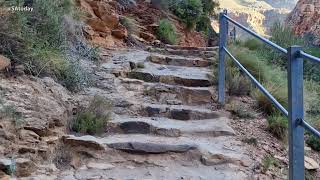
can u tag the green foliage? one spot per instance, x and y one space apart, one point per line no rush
241 111
189 11
130 24
167 32
252 44
40 40
264 104
278 126
252 141
93 120
236 83
313 142
267 162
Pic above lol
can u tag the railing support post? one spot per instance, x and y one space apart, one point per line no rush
223 35
296 113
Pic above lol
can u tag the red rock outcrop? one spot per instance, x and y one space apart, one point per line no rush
305 19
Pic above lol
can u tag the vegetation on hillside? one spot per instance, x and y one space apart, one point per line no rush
47 41
167 32
93 119
269 67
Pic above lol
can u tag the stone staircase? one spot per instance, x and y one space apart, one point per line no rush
166 124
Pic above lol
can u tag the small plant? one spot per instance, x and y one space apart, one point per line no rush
278 126
237 84
189 11
252 141
268 162
130 24
252 44
240 110
167 32
264 104
93 119
313 142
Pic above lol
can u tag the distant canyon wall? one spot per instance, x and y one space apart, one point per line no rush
305 20
258 15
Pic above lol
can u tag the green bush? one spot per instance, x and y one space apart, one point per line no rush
278 126
313 142
93 120
130 24
236 83
252 44
267 162
239 109
41 40
167 32
264 104
189 11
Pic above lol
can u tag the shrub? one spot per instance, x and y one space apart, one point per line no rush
313 142
189 11
167 32
252 44
241 111
267 162
130 24
264 104
278 126
93 119
237 84
42 40
251 62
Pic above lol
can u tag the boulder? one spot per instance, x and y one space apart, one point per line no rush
29 136
120 32
24 167
310 164
98 25
86 141
111 20
87 8
147 36
4 63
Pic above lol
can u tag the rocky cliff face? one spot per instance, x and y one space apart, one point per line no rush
305 20
256 14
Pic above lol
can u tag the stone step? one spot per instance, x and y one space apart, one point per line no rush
179 61
178 112
177 95
185 52
174 75
170 127
211 151
192 48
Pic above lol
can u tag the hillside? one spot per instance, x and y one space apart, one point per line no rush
305 20
259 15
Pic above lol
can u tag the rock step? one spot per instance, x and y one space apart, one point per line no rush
192 48
210 151
178 112
183 52
174 75
177 95
179 61
169 127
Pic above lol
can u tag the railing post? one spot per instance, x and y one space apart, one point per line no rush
296 113
223 35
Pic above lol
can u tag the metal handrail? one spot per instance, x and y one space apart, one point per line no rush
297 124
258 84
270 43
310 57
